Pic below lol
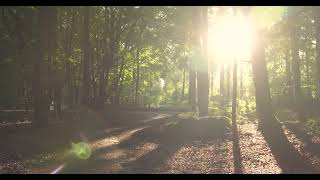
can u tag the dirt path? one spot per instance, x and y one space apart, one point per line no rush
151 145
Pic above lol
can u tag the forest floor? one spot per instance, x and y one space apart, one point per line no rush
150 142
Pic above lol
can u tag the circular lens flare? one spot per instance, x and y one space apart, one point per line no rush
82 150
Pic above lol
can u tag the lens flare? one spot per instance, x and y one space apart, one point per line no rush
58 169
81 150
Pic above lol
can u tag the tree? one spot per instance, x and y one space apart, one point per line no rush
296 65
262 88
40 83
202 69
222 90
316 15
86 75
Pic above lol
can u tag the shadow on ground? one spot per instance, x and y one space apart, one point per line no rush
287 157
167 134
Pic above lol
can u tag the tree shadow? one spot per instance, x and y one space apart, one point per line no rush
169 135
301 134
287 157
170 139
237 160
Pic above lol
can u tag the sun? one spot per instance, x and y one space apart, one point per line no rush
229 38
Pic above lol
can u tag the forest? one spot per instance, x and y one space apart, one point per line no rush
159 89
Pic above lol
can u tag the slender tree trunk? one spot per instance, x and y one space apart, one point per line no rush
228 80
202 70
316 12
68 49
120 86
288 74
55 89
133 85
298 103
40 86
93 83
192 88
137 76
308 79
86 76
236 149
241 82
212 83
183 84
103 81
116 84
222 90
51 33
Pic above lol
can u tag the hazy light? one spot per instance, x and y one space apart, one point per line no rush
162 82
266 16
229 38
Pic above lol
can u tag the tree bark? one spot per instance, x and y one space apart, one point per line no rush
136 97
308 78
298 101
316 12
241 83
267 119
212 83
68 49
228 81
192 88
202 70
86 75
183 84
288 74
235 136
222 90
40 83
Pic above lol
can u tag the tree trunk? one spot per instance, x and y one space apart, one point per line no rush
103 81
192 88
68 49
241 83
222 90
288 75
235 137
40 86
183 84
267 119
133 85
202 70
136 97
298 103
308 79
51 48
55 89
228 81
316 12
86 76
116 84
212 83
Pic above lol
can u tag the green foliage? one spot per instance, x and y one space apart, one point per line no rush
313 124
159 40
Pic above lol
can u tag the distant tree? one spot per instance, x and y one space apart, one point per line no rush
202 68
298 101
85 46
40 83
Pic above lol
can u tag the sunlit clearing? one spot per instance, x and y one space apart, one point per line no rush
229 38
